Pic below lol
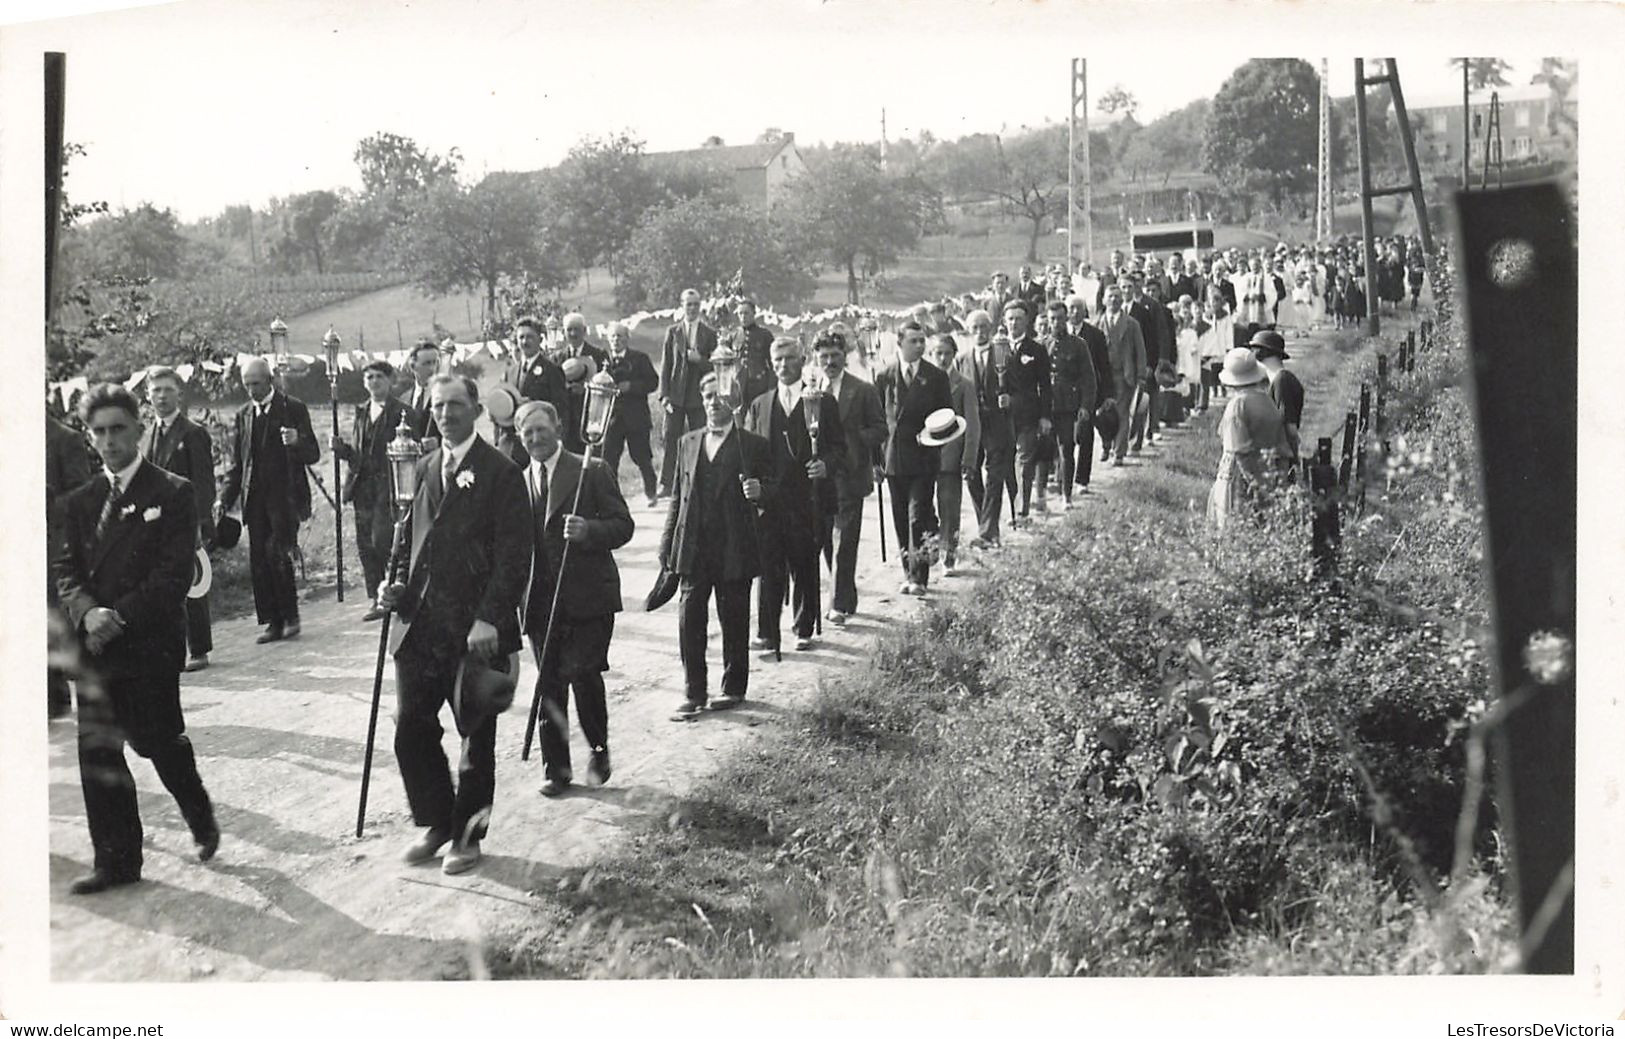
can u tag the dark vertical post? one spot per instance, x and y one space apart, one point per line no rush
1410 351
1407 142
1324 524
1350 435
1382 394
1517 258
1364 440
56 65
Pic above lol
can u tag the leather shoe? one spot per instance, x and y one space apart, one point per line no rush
804 643
197 663
374 614
98 880
555 786
426 847
461 858
290 629
726 703
687 711
272 633
837 618
598 767
207 844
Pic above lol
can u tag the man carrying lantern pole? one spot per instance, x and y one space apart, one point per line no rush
578 518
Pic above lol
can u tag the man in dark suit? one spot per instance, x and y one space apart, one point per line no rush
471 537
594 521
1072 392
274 445
629 424
575 344
368 483
910 390
1125 348
1030 291
685 355
122 569
67 467
425 365
996 455
863 425
956 460
751 344
177 444
997 295
1028 383
723 480
806 495
532 373
1094 339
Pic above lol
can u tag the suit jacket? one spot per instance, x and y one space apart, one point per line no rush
1125 348
1035 295
754 346
267 467
997 429
471 553
1028 382
539 379
592 585
1100 358
186 450
367 452
906 408
1072 376
743 454
993 302
680 377
863 421
800 499
962 453
419 419
67 466
141 568
632 407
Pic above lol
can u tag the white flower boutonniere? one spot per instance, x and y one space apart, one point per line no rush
125 512
152 513
1026 358
465 479
538 370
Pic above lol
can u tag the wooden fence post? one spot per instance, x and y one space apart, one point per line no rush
1382 394
1410 351
1325 526
1350 435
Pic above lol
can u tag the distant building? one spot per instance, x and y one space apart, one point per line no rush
759 171
1528 129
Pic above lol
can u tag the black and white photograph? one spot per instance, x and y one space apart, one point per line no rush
657 492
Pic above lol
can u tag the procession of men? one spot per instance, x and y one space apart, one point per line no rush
772 446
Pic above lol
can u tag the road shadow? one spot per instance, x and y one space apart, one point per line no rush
158 811
257 743
303 933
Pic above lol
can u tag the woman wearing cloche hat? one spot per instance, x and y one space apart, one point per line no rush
1253 433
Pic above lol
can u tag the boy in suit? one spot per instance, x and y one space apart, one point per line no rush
181 446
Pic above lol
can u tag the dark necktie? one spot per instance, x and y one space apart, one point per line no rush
106 518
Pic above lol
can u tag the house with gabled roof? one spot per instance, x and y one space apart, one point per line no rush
759 171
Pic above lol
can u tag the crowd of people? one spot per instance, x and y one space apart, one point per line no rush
772 445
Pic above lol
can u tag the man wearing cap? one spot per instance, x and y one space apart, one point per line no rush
578 506
806 494
425 364
1125 348
122 566
909 391
1285 388
996 458
957 460
685 355
532 373
471 536
863 425
274 444
629 424
1027 381
368 484
181 446
723 480
1072 391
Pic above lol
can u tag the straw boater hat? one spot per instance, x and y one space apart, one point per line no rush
501 402
942 427
1241 368
578 368
202 575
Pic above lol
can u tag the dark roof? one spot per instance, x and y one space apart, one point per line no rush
727 156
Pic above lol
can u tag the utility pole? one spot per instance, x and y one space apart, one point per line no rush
1363 138
882 137
1080 222
1466 128
1324 203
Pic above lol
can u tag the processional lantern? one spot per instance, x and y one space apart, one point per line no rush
725 363
598 407
279 344
404 452
330 346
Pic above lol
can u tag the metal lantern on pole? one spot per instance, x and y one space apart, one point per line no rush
279 344
330 347
726 365
403 452
597 410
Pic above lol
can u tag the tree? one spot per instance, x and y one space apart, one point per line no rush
145 241
396 173
706 244
1027 173
857 216
599 194
1170 144
470 237
303 229
1484 72
1117 100
1263 128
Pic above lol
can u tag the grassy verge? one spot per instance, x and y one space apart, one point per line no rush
1132 750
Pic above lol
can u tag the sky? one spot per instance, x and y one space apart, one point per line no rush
198 105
